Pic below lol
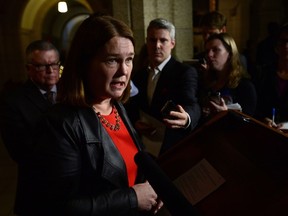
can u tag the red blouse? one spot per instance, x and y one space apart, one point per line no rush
125 144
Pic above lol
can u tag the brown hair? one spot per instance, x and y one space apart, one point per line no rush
213 19
235 67
90 38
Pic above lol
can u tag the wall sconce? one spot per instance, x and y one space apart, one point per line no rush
62 7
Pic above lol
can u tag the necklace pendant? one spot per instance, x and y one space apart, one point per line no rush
117 127
105 122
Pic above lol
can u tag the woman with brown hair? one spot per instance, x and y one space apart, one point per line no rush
225 84
84 159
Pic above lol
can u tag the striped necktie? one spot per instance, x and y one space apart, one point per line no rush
152 82
50 96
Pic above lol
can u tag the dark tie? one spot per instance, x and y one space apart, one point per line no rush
50 96
152 82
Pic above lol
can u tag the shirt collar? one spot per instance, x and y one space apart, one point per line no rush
162 65
53 89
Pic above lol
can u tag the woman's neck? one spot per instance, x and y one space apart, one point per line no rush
220 80
219 84
104 106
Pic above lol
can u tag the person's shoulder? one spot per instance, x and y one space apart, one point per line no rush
139 77
60 113
246 83
181 65
62 119
267 71
12 92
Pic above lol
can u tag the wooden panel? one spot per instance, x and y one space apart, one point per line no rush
251 158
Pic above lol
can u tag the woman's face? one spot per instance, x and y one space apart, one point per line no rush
216 54
110 70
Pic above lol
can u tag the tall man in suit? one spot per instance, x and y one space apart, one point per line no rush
23 107
165 79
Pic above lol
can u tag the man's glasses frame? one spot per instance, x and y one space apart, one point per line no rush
45 67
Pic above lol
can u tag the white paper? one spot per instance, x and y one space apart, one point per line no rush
284 126
200 181
234 106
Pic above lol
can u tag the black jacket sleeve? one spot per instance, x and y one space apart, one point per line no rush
65 182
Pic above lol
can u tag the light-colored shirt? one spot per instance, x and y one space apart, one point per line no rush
153 78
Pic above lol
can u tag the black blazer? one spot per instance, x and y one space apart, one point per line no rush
21 109
178 82
77 170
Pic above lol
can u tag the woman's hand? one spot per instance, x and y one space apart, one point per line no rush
218 107
147 198
270 123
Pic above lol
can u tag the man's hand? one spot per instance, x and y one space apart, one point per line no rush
180 118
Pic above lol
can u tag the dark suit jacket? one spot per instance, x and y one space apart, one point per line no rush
177 82
21 109
77 169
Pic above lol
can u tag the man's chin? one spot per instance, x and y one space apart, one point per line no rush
158 60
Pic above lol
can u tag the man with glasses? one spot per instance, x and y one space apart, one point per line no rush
23 107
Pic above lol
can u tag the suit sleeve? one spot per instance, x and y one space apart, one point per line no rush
15 131
189 86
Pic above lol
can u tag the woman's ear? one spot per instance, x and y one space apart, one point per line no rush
229 56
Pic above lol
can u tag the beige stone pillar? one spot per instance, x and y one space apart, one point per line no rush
138 14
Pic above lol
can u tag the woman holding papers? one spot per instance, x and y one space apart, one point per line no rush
225 84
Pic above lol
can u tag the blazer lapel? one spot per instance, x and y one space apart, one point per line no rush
113 169
34 95
161 93
130 128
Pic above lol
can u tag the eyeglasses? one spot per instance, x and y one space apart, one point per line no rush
40 67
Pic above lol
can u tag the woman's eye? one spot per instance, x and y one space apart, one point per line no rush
111 61
216 50
129 61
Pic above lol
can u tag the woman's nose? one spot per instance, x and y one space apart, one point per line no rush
207 53
123 68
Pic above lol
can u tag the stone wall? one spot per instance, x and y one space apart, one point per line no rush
141 12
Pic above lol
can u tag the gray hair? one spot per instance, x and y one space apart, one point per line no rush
160 23
42 45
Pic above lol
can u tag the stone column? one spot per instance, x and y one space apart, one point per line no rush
138 14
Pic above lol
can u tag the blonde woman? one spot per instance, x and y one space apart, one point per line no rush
225 83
